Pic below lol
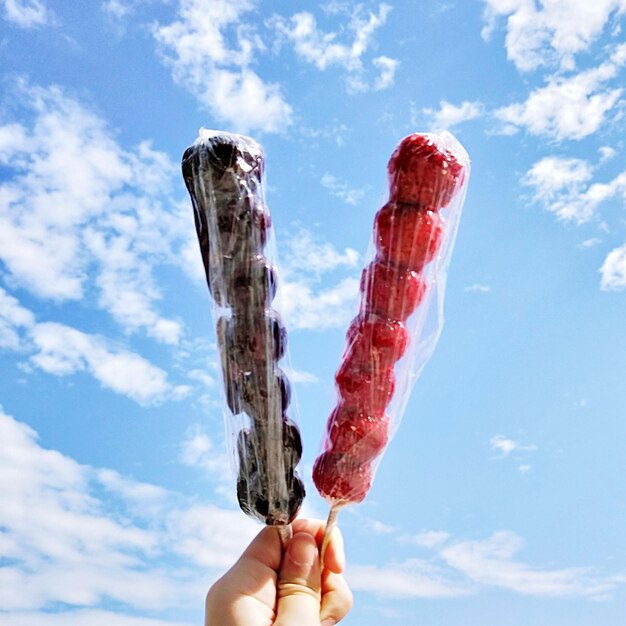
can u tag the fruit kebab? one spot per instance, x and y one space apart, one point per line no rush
400 315
224 176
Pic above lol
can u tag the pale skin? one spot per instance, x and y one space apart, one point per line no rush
269 586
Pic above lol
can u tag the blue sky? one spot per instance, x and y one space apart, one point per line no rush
502 498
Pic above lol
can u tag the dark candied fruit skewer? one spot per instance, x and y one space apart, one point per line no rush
223 173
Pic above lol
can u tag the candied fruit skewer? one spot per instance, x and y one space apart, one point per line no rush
223 173
412 238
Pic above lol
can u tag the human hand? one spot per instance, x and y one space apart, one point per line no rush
260 590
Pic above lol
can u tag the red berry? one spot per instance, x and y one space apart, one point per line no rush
365 381
421 173
341 478
407 235
391 291
373 334
357 432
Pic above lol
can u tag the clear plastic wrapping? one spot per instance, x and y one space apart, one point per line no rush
224 176
400 315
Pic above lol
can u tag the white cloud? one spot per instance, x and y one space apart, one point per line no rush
449 115
306 254
62 350
590 243
324 50
119 10
613 270
60 546
80 618
80 215
198 450
303 305
341 190
13 317
305 298
299 376
77 540
413 578
570 107
427 539
144 500
563 186
66 541
491 562
477 288
606 153
552 32
209 536
27 13
210 51
387 67
505 446
202 377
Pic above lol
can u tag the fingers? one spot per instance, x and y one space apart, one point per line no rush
336 599
299 583
334 559
265 548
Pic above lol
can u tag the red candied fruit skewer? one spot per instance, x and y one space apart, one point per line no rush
378 335
342 478
364 382
407 236
408 232
419 172
357 432
391 291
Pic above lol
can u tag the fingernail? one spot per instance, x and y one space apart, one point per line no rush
302 550
328 622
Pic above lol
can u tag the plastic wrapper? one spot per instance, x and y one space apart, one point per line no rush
400 314
224 176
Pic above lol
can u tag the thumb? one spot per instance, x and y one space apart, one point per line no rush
299 583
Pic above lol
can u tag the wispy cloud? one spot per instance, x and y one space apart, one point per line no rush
590 243
340 189
199 450
426 539
27 13
210 49
83 218
305 252
549 33
565 187
13 318
613 270
75 538
449 115
80 618
80 537
413 578
305 305
477 288
62 350
491 562
324 49
571 107
306 296
504 446
300 376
